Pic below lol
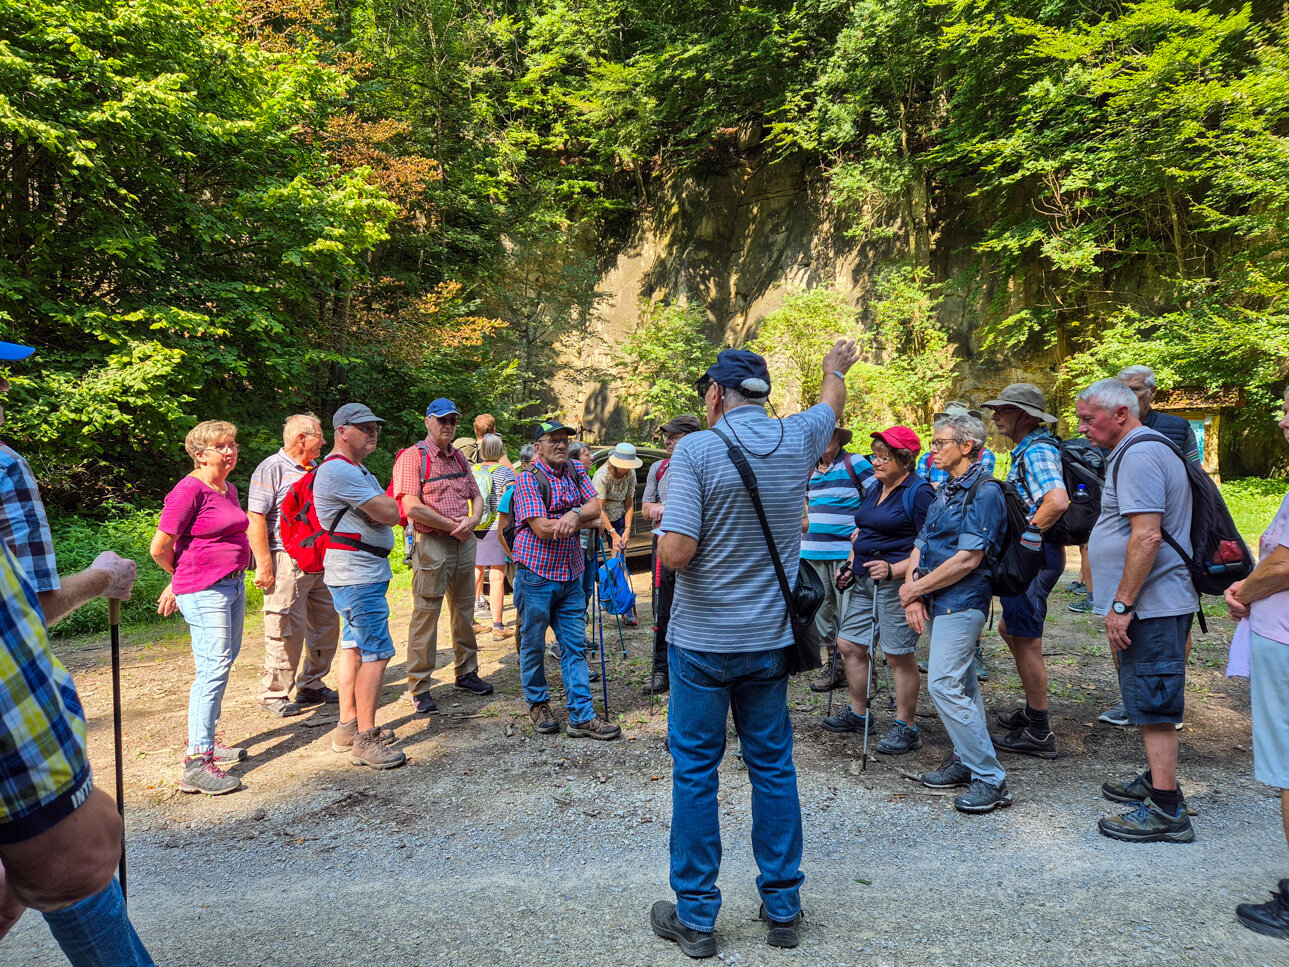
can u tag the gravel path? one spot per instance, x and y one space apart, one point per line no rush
498 846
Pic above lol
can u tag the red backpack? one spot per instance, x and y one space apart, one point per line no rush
303 536
425 475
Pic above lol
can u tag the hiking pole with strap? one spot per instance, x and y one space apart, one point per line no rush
114 623
868 685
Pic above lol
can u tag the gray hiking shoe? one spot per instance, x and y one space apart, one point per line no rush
1081 606
342 737
981 797
1147 823
593 728
369 749
281 707
200 774
900 739
225 756
847 721
1115 716
1135 790
952 773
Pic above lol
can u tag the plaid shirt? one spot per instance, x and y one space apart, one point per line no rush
1042 467
23 525
44 772
933 475
449 485
560 560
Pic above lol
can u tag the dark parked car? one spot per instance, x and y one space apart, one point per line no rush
640 543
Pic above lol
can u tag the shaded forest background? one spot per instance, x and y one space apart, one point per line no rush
243 208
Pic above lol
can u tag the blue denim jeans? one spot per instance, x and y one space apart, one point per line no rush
560 605
215 618
364 615
704 687
96 932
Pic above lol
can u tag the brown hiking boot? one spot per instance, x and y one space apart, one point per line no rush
593 728
544 720
370 750
342 737
832 675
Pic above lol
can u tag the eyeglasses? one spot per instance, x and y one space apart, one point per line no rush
703 385
223 448
451 420
941 444
881 458
369 429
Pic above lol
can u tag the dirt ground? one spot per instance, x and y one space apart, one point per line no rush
496 845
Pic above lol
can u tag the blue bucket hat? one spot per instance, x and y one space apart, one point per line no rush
442 407
741 370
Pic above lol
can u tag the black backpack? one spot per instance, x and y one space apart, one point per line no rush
1015 566
1221 557
1081 464
543 488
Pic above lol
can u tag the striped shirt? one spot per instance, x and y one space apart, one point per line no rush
831 501
727 597
44 772
933 475
23 525
1042 460
270 483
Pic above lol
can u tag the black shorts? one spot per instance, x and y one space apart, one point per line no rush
1152 670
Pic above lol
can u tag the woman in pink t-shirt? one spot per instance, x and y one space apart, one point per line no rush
201 541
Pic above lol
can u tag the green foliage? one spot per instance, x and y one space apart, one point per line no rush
795 337
659 362
1253 502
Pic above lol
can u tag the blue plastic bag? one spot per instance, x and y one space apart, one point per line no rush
616 596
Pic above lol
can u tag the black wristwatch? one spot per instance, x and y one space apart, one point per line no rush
1120 608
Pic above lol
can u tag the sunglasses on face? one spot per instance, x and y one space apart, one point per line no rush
703 385
447 420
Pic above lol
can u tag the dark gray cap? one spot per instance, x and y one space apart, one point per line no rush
353 414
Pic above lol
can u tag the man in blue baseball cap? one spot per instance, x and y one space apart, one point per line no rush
439 496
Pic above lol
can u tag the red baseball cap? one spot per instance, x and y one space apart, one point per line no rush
899 438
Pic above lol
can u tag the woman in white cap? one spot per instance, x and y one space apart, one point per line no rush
615 482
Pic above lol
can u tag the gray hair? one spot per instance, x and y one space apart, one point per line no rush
1145 371
527 453
1110 394
577 447
731 398
297 424
965 429
490 447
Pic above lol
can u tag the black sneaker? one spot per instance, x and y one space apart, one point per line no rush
846 721
1270 919
425 704
900 739
693 943
981 797
1147 823
1018 719
781 933
1026 742
317 696
471 682
952 773
1136 790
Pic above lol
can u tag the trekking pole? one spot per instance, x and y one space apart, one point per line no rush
114 622
868 685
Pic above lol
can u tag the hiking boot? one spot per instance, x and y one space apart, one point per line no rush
1082 606
424 703
658 684
200 774
502 633
593 728
544 720
981 797
1136 790
1115 716
481 606
1270 919
317 696
952 773
1147 823
1018 719
482 626
555 651
830 678
693 943
369 749
342 737
982 673
847 721
225 756
281 707
471 682
900 739
1026 741
781 933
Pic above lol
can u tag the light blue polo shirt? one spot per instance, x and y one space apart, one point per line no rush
728 598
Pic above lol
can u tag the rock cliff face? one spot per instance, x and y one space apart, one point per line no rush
739 240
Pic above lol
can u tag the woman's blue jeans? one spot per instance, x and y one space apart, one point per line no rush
704 687
96 932
215 618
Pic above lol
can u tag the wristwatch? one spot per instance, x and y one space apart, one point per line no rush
1119 607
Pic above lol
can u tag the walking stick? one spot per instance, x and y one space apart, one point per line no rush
114 622
868 685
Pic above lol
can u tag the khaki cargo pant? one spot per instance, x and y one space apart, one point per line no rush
300 620
440 566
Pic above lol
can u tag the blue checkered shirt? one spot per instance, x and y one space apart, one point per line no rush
23 525
44 772
933 475
1042 462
